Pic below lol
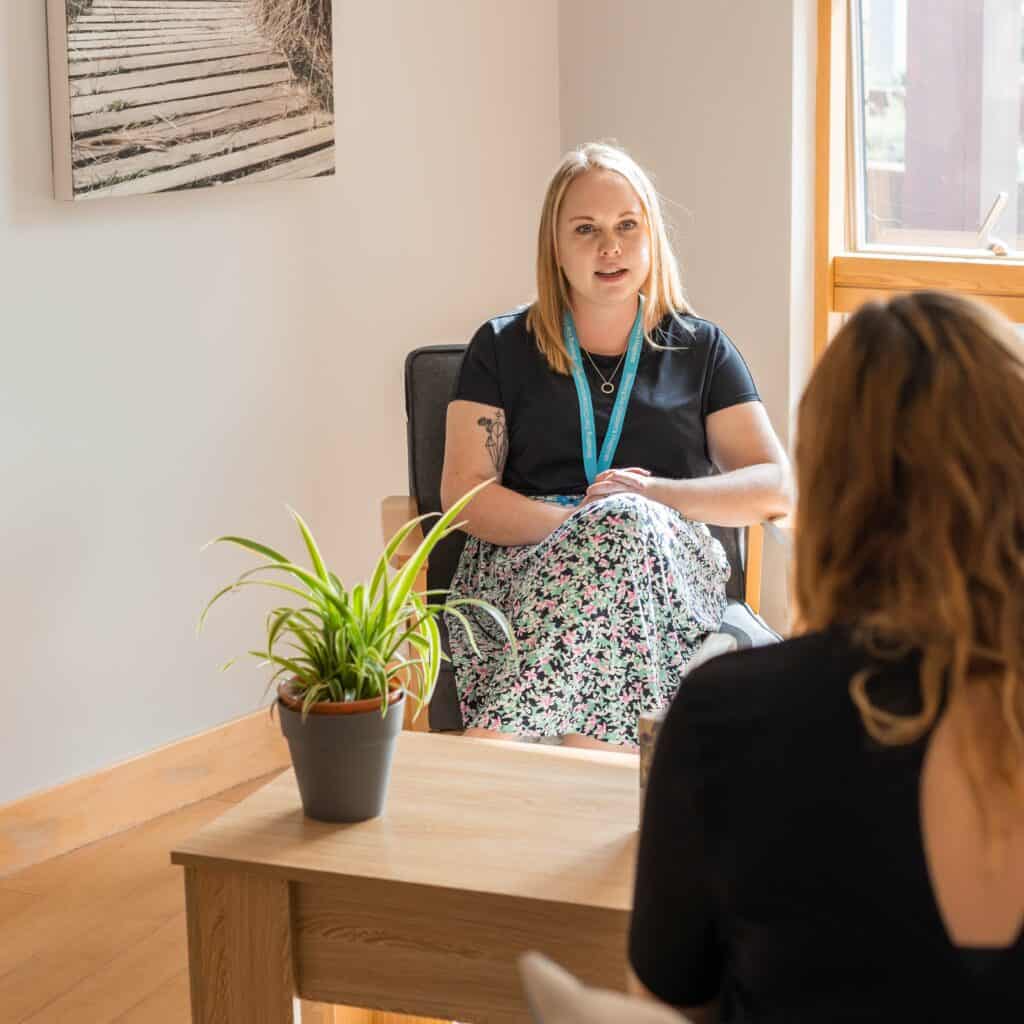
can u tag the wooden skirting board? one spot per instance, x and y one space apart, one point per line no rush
57 820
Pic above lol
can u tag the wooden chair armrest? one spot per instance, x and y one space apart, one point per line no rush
395 511
780 530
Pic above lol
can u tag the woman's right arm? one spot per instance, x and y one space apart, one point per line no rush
476 446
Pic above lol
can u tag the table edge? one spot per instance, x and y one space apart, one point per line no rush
307 876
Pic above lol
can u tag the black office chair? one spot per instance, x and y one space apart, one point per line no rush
430 375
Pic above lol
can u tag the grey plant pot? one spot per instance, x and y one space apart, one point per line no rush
342 761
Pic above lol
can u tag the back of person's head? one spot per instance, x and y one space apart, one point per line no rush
662 291
910 516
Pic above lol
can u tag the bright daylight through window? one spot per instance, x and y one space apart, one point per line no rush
937 127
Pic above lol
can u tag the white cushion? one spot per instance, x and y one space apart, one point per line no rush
556 997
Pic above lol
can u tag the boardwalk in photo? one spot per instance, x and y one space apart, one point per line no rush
168 94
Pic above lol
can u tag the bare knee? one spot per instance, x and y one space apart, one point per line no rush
575 739
493 734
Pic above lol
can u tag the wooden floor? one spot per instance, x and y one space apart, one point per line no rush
168 94
98 935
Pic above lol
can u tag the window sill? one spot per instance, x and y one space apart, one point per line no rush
857 277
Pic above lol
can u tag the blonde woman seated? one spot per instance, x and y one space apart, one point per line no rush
834 827
603 409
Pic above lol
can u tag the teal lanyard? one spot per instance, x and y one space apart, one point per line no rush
592 464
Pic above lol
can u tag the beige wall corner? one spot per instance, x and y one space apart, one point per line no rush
57 820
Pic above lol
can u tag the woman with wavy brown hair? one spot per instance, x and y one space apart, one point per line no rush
834 828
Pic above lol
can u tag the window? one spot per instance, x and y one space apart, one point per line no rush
920 151
937 124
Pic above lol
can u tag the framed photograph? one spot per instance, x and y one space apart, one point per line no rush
162 95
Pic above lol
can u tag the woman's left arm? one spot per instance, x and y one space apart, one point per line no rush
754 481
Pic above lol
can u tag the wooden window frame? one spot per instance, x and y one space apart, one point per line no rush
844 278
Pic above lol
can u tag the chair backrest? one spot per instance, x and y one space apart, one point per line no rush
430 375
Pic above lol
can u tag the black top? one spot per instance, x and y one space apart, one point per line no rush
675 390
781 860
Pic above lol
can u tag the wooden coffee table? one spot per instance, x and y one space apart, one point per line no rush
486 849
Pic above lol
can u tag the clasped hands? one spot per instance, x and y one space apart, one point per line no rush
631 480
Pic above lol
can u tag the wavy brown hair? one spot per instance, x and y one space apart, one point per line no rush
910 458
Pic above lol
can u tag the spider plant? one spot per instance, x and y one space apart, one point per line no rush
342 644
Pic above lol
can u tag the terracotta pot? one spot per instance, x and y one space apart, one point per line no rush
342 753
293 699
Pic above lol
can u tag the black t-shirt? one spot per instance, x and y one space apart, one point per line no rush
781 858
700 373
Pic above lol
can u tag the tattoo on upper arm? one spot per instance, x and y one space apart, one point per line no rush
497 439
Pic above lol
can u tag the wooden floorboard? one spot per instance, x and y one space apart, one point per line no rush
97 936
169 1004
13 903
195 126
158 30
302 167
136 115
157 25
117 81
178 40
179 90
106 5
78 39
224 142
219 165
107 51
101 23
106 62
132 974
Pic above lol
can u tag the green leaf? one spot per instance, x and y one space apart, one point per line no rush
318 589
381 616
291 664
432 666
380 577
468 627
246 583
403 531
252 545
360 609
488 609
406 577
279 622
314 551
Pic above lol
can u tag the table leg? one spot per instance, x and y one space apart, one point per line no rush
239 948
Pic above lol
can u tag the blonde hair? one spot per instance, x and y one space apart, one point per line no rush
910 520
663 289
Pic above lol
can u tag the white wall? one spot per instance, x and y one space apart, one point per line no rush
716 100
179 366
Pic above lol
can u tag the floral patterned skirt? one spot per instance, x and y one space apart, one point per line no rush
606 612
